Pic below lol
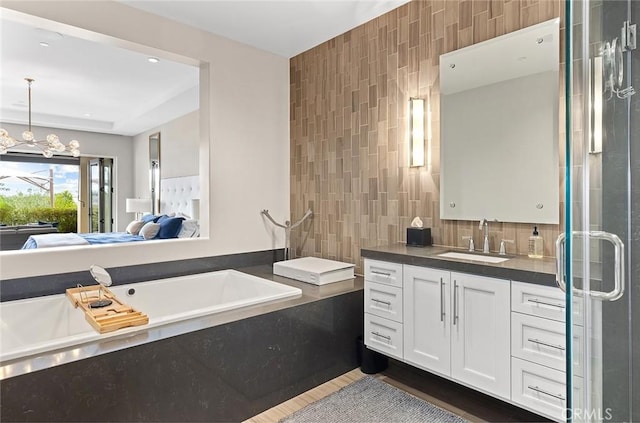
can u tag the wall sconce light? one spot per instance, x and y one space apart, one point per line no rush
138 206
416 132
595 143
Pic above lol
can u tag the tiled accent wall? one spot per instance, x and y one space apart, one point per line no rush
349 106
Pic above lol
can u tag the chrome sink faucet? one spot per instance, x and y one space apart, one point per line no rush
485 245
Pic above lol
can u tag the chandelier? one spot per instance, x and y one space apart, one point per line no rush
48 146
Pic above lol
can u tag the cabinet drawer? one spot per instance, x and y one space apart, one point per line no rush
383 300
542 301
544 341
383 335
538 388
383 272
539 340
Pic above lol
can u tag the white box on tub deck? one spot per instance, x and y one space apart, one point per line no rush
314 270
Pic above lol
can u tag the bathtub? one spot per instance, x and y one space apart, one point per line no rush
39 326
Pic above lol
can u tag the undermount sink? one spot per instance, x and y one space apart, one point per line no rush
474 257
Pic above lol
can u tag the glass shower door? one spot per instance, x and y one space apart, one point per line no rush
598 260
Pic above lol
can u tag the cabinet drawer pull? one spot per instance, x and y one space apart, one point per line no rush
387 303
378 273
388 338
537 301
542 391
537 341
455 302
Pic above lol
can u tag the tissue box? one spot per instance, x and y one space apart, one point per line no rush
419 237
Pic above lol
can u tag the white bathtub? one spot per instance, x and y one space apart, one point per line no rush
40 325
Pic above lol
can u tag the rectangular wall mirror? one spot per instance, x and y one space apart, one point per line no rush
499 128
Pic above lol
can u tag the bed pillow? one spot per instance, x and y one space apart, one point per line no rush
150 218
134 227
149 230
169 227
163 217
189 229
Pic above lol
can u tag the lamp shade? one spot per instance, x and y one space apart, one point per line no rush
195 208
138 205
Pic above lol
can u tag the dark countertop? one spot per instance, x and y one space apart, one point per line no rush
517 268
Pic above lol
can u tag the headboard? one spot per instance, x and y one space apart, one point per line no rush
177 195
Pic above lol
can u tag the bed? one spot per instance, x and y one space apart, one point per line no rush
179 204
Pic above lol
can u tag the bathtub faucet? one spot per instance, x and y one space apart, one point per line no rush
287 229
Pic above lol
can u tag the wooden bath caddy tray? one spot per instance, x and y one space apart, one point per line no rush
115 316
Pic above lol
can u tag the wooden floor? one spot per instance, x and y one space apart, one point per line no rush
470 405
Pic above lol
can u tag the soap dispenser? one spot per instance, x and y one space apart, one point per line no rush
536 248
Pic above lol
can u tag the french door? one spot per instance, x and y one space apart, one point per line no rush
100 195
599 252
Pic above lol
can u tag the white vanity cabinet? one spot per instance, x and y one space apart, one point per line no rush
501 337
457 325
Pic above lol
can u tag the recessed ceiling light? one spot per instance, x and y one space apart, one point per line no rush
153 59
43 44
87 115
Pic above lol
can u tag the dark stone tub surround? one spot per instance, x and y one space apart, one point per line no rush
237 365
226 373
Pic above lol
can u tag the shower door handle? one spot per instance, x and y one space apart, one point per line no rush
619 269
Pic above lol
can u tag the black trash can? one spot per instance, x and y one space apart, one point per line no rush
370 361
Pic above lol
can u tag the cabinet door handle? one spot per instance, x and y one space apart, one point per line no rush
542 391
537 341
455 302
378 273
537 301
441 300
388 338
388 303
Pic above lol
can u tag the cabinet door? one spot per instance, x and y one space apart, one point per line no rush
427 319
480 333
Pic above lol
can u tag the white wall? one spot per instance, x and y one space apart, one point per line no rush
179 152
244 136
93 144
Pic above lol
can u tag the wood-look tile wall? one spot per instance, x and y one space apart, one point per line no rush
349 106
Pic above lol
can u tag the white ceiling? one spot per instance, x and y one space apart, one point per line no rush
84 85
286 27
